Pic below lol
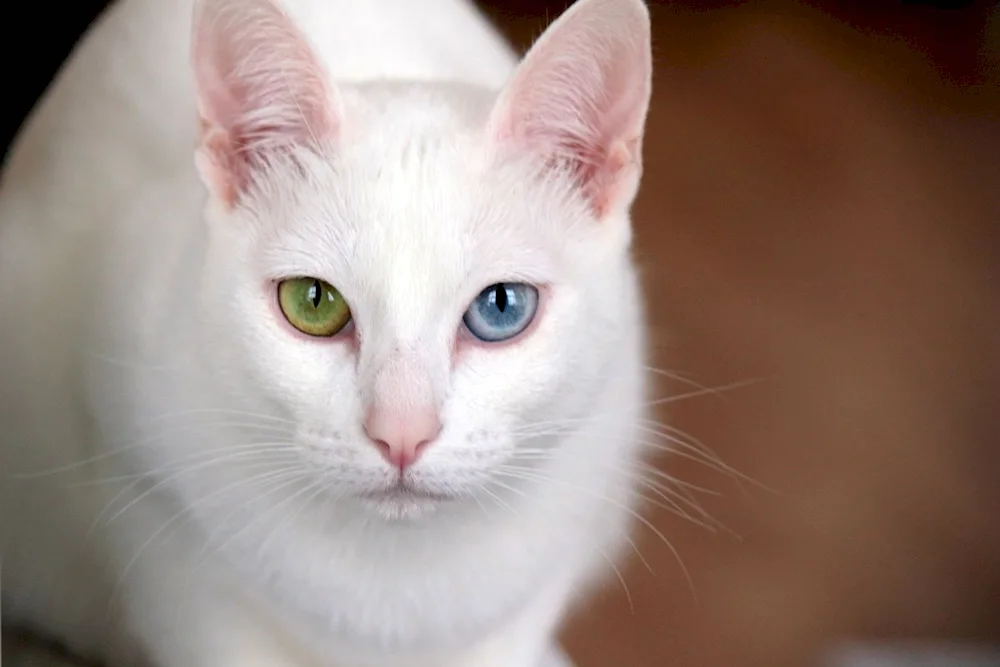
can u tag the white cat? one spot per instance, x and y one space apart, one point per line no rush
350 372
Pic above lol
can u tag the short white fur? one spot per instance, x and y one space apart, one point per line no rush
185 476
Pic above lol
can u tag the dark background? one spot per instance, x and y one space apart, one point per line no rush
45 34
820 209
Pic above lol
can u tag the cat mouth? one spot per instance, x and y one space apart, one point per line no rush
404 491
403 501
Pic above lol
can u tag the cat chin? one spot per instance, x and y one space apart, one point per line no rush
405 501
402 508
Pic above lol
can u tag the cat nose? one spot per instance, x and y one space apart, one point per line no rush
401 436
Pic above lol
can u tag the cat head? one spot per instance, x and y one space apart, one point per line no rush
421 276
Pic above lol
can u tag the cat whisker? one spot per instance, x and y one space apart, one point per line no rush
162 481
275 451
696 457
681 445
98 519
672 495
537 454
273 483
677 377
682 450
611 563
496 498
712 461
309 492
223 411
686 488
618 572
205 555
125 363
673 500
661 427
528 474
268 477
666 484
702 392
665 502
640 409
479 501
253 463
252 451
144 441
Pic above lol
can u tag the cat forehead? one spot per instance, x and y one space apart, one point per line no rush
404 218
396 109
429 201
413 156
412 204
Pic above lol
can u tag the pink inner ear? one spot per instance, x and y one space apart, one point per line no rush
261 90
581 95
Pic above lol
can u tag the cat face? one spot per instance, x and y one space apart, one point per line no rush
427 280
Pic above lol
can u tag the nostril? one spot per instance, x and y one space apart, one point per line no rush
419 448
401 455
371 431
384 448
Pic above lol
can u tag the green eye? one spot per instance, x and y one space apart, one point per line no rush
313 307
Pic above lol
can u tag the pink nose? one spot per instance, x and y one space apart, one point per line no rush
401 437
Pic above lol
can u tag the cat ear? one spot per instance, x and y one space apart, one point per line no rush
261 91
580 96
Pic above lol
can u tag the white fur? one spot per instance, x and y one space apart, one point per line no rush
180 471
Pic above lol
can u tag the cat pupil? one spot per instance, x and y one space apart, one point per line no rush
501 297
316 294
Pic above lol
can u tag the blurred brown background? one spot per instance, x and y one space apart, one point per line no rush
820 210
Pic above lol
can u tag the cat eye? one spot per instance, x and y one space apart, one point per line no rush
501 311
313 306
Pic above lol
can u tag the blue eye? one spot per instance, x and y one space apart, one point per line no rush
501 311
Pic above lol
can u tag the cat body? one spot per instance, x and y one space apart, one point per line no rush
189 479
